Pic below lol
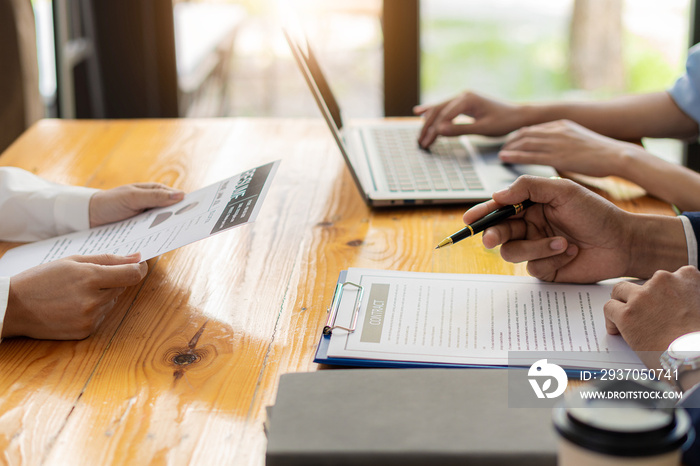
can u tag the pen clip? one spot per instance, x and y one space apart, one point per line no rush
335 305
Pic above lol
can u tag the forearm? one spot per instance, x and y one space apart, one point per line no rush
667 181
627 118
656 242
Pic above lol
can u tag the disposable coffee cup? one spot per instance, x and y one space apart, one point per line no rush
638 426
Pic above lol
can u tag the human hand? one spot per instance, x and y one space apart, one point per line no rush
567 146
650 316
67 299
490 118
113 205
574 235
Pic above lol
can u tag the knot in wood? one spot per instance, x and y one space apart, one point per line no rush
183 359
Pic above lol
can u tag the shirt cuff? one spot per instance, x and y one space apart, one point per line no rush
691 240
691 390
4 295
72 209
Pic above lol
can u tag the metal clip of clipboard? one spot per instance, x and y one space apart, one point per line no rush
335 305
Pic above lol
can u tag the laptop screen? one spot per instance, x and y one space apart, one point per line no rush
302 51
324 99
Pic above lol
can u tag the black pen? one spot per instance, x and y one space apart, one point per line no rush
489 220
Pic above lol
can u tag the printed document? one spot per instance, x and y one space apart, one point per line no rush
221 206
475 319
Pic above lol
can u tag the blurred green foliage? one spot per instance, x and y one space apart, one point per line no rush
521 64
459 54
647 70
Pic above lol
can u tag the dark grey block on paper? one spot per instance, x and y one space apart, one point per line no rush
405 417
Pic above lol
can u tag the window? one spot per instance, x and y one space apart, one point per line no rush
551 49
543 50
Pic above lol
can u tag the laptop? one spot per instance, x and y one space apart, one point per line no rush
388 166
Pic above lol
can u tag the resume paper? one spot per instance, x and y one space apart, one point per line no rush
221 206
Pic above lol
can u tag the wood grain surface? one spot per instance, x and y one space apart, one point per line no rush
181 370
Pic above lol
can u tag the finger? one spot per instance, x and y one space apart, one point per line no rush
623 290
446 126
612 311
420 109
535 131
510 230
153 185
427 131
432 112
540 190
550 268
532 250
480 211
119 276
441 120
514 135
107 259
427 137
528 142
526 132
156 195
423 136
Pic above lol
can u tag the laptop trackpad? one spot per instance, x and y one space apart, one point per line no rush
489 155
498 175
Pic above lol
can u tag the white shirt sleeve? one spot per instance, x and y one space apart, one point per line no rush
691 241
4 294
32 208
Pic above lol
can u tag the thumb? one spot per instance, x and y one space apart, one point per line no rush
552 191
480 211
420 109
157 195
611 310
536 188
107 259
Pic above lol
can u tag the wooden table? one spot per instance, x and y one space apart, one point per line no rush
182 369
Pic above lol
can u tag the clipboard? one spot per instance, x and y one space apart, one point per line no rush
322 357
322 349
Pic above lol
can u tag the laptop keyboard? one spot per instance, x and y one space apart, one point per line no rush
409 168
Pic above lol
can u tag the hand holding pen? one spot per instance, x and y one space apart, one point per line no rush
574 235
489 220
